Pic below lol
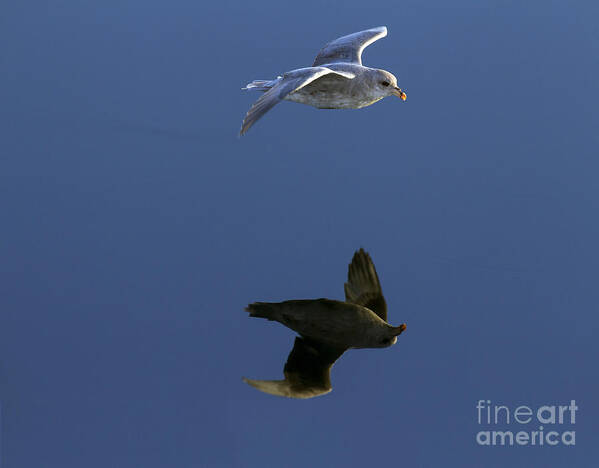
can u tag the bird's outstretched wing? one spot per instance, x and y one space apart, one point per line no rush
363 286
288 83
349 48
307 371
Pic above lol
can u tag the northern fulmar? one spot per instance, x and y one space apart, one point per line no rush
327 329
336 80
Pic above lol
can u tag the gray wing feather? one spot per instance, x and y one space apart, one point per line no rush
363 286
266 102
290 82
349 48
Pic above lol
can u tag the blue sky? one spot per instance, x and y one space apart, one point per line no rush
136 226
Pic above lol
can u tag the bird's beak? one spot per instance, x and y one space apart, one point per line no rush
400 94
399 330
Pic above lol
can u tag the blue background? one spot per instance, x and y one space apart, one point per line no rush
136 226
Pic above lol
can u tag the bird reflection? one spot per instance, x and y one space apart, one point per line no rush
327 329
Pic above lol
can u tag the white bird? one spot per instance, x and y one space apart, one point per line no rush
328 328
336 80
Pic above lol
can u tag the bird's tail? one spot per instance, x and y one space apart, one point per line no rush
260 85
265 310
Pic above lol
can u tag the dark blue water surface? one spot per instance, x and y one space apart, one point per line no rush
136 225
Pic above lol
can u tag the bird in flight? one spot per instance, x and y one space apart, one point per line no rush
327 329
336 80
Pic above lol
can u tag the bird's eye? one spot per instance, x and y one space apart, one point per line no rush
385 83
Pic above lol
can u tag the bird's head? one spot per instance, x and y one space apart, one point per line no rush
389 337
386 84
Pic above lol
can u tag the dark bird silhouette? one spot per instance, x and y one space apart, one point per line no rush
327 329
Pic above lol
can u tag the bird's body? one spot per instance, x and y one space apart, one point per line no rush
332 91
336 80
327 329
337 323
